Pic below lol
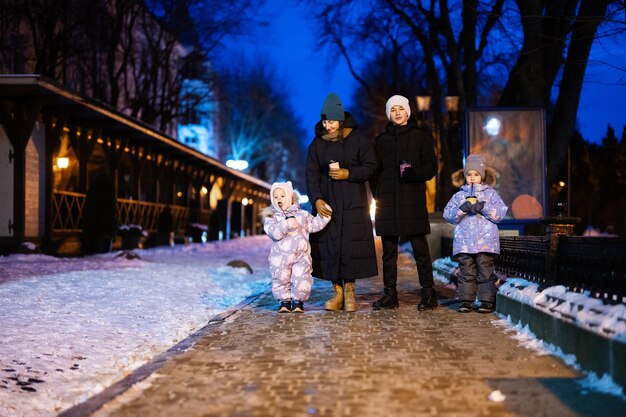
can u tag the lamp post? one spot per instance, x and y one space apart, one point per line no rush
423 106
441 129
452 105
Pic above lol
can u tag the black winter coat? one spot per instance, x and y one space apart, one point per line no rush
401 201
345 248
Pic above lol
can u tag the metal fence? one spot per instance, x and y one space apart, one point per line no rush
596 265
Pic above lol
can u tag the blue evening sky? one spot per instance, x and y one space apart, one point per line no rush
289 41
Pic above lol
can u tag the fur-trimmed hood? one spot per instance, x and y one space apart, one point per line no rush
270 211
491 177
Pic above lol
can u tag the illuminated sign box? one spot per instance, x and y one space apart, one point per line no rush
513 142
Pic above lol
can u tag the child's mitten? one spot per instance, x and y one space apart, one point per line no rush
477 207
465 207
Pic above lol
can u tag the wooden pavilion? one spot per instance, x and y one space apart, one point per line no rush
53 143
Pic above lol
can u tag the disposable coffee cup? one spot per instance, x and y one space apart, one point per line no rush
472 199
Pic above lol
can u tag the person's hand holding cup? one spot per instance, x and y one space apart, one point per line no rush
336 172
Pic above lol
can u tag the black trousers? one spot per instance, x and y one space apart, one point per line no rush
421 252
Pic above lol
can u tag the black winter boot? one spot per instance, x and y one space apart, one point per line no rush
429 299
389 300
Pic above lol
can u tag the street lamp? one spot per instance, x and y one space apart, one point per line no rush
452 103
423 106
238 164
442 129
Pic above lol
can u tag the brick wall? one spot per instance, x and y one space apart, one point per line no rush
33 226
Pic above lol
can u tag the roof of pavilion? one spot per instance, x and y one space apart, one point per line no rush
89 111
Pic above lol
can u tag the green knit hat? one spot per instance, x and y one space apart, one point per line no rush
332 108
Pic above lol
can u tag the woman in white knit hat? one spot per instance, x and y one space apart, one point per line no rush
406 160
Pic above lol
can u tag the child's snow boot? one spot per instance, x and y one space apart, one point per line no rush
285 307
486 307
297 306
465 307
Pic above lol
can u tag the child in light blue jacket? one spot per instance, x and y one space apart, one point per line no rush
475 210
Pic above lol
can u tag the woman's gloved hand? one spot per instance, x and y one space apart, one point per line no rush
323 208
339 174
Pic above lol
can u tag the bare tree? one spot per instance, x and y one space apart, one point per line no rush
258 121
451 47
557 40
512 53
132 54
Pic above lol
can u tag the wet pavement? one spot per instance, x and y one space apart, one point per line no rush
398 362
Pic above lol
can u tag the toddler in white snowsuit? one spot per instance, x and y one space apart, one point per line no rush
290 256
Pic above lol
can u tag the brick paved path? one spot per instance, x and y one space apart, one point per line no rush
368 363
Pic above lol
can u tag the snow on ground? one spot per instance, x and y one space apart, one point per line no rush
528 339
71 327
579 309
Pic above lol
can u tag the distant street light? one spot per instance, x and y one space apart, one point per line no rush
238 164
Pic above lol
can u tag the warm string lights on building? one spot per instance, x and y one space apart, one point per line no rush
63 162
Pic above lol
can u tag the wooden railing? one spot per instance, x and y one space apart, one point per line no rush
67 209
68 213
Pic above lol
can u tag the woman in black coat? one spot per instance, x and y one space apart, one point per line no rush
339 163
406 160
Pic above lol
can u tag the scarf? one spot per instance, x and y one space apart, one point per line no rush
334 137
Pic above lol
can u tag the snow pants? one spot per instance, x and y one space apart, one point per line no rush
291 269
477 276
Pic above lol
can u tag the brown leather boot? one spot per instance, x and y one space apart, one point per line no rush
336 302
349 303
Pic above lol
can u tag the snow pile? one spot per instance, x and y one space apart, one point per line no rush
526 338
72 327
579 309
443 268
